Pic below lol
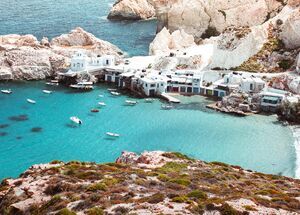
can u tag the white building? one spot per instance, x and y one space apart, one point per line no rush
81 62
154 85
271 99
252 85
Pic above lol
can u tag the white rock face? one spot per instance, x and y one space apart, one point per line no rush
23 57
291 31
165 42
229 50
132 10
196 16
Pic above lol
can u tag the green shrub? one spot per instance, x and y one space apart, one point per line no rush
173 167
156 198
180 199
65 211
97 186
163 177
249 208
197 194
181 181
177 155
95 211
285 64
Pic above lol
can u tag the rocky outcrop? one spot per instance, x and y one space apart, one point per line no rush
209 17
258 48
23 57
132 10
151 183
290 30
165 42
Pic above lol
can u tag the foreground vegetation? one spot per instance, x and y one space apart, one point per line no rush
177 185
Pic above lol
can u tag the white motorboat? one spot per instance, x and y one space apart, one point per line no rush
149 100
83 86
101 96
166 107
101 104
6 91
53 83
112 89
76 120
130 102
47 91
31 101
112 134
115 93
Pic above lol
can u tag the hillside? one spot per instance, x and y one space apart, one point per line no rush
150 183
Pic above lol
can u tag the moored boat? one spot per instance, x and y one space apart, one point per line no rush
47 91
149 100
115 93
76 120
112 89
53 83
83 86
112 134
131 102
31 101
6 91
166 107
101 104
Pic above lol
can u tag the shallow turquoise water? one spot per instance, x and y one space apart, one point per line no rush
53 18
256 142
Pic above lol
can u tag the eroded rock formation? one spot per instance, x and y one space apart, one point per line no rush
132 10
23 57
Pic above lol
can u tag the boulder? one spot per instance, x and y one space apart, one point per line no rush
132 10
291 30
164 42
204 18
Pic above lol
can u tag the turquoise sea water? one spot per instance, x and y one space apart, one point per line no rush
256 142
53 18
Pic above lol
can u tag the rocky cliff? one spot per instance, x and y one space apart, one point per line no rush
23 57
132 10
268 44
150 183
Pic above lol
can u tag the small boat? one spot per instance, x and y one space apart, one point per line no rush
101 104
101 96
112 134
166 107
53 83
76 120
115 93
94 110
130 102
111 89
149 100
83 86
6 91
47 91
31 101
